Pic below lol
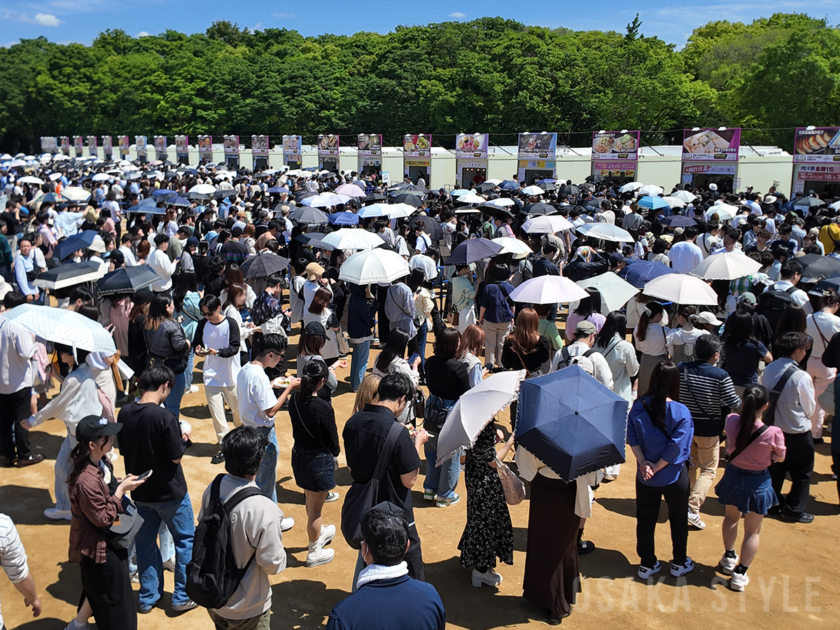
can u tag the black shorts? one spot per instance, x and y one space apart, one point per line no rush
314 470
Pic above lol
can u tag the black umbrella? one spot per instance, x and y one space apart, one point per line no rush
823 268
374 197
829 283
127 280
570 190
263 265
485 187
223 194
496 211
410 199
300 195
538 208
594 179
69 274
473 250
811 202
430 226
677 220
587 186
308 215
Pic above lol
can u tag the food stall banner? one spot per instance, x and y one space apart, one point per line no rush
292 145
231 145
417 145
328 144
182 145
817 144
711 144
537 146
205 146
92 144
141 144
160 147
125 145
108 145
78 144
259 145
472 145
65 145
49 144
615 145
369 144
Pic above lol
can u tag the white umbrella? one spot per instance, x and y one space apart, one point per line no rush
724 211
101 177
374 210
532 191
513 246
474 411
615 291
29 179
62 326
55 176
501 202
674 202
374 266
726 266
685 196
74 193
605 232
630 187
202 189
548 290
351 190
351 238
495 182
60 157
681 289
320 201
651 190
400 210
471 198
424 263
547 224
460 192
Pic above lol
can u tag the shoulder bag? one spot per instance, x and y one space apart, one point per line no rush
753 437
512 485
770 414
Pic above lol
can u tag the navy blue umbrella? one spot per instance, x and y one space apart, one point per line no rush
164 192
677 220
509 184
344 218
641 272
72 244
473 250
178 201
277 190
571 422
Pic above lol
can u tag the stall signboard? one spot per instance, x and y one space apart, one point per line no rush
369 144
819 173
615 168
537 146
49 144
472 145
92 145
78 145
817 144
140 143
259 145
182 145
231 144
690 170
160 147
125 145
205 147
417 145
615 146
65 145
328 144
711 144
292 145
108 145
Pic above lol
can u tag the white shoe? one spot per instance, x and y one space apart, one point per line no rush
135 578
679 570
727 565
193 389
327 534
169 565
489 577
318 555
738 581
332 497
58 515
646 572
287 523
694 520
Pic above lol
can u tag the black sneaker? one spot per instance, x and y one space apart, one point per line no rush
791 517
218 458
584 547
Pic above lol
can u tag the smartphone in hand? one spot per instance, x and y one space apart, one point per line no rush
145 475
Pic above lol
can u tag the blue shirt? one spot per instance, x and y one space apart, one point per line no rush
675 448
23 265
495 303
401 603
69 222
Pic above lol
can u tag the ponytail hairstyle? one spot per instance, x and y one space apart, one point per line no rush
314 372
755 397
664 383
828 297
651 310
80 457
688 312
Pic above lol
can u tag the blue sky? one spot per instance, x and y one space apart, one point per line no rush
81 20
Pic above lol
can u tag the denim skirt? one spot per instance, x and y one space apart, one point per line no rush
748 490
314 469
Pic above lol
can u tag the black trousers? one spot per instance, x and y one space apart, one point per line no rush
799 464
648 500
13 437
108 588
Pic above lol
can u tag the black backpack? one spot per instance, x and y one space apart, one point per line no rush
566 357
212 574
773 302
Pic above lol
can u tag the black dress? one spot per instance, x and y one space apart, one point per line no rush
489 532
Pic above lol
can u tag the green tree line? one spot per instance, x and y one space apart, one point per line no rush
489 75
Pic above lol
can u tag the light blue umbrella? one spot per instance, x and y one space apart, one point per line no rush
653 203
460 192
59 325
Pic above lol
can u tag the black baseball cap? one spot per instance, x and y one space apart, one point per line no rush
94 427
316 329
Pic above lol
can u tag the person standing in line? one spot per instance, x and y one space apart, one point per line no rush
821 327
650 339
217 340
256 534
463 297
14 562
792 414
152 439
166 344
686 255
161 265
26 271
746 488
659 431
361 319
495 314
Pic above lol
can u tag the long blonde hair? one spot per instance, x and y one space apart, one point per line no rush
368 393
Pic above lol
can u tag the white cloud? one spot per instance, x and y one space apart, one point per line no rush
144 34
284 16
47 19
43 19
457 15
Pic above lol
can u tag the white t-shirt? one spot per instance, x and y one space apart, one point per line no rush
254 393
219 371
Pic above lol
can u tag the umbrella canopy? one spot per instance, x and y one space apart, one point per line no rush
729 266
674 202
810 202
685 196
509 184
829 283
62 326
615 292
640 272
513 246
349 238
374 197
653 202
320 201
571 422
202 189
485 187
178 201
69 275
547 225
532 191
651 190
411 200
495 211
548 290
724 211
430 226
605 232
400 210
308 215
51 197
374 210
425 264
164 192
351 190
127 280
471 198
501 202
374 266
223 194
474 411
473 250
630 187
823 268
460 192
74 193
29 179
263 265
277 190
536 209
570 190
681 289
148 206
677 220
344 218
74 243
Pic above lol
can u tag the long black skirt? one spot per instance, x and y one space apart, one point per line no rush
108 589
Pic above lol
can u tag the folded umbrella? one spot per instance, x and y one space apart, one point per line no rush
605 232
69 275
263 265
475 410
548 290
374 266
730 266
640 272
473 250
615 292
60 325
127 280
681 289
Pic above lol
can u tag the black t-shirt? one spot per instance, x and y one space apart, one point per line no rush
213 284
313 424
534 360
447 378
364 436
742 362
151 439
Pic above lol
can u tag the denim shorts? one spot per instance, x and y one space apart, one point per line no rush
314 470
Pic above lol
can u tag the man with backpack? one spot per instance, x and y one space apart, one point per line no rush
237 519
586 334
792 402
777 296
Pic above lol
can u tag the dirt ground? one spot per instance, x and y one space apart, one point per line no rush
795 578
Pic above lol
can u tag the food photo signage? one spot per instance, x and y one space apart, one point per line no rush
537 146
328 144
231 144
125 145
108 145
615 145
205 146
417 145
472 145
141 144
711 144
78 144
369 144
65 145
817 144
259 145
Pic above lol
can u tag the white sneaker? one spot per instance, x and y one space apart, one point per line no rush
58 515
287 523
193 389
738 581
135 578
489 577
317 555
679 570
727 565
327 534
169 565
332 497
694 520
646 572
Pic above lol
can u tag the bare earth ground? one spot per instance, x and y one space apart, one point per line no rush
795 579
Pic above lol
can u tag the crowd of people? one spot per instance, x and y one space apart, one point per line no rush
238 271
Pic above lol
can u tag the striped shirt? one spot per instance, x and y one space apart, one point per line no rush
12 554
706 390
